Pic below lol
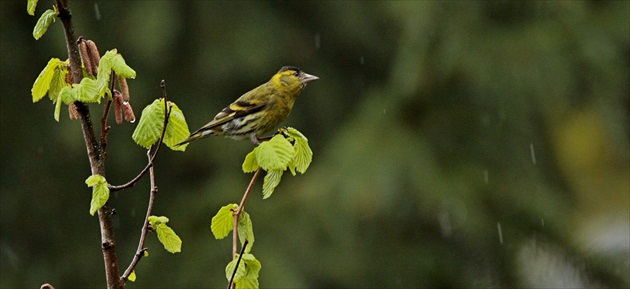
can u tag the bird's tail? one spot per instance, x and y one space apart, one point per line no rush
193 136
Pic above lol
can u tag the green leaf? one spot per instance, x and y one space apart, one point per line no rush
303 153
156 221
67 95
151 123
104 73
229 270
274 154
272 179
223 221
87 91
177 129
118 64
246 231
132 276
43 81
250 164
247 273
44 21
30 7
168 238
100 192
58 81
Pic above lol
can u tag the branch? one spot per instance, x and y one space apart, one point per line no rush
145 227
104 127
238 212
167 113
95 152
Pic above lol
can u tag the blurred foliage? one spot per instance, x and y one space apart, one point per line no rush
456 144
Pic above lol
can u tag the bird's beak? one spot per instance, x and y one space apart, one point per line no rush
306 78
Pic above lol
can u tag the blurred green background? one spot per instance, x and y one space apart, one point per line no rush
456 144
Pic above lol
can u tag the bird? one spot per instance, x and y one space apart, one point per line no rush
258 111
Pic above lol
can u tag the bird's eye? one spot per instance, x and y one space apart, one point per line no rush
296 73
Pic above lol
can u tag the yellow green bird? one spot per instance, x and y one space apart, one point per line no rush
260 110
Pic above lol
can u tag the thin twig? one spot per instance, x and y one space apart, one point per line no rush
240 256
145 227
104 127
167 113
150 155
239 210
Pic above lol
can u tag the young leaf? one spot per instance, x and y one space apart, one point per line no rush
223 221
43 81
272 179
100 192
30 7
104 74
67 95
132 276
274 154
247 274
87 91
303 153
151 123
168 238
250 164
177 129
241 272
58 81
44 21
246 231
156 221
118 64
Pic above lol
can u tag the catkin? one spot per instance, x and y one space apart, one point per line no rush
118 103
124 88
73 113
128 112
83 49
95 57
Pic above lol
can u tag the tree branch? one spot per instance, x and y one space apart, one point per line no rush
145 227
104 127
95 153
239 210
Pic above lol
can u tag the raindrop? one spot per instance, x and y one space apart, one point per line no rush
485 176
500 233
531 150
97 12
317 41
542 221
362 60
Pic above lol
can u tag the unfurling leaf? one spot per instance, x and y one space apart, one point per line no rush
100 192
223 221
274 154
303 154
177 129
151 124
132 276
43 81
247 273
272 180
30 7
246 231
44 22
250 164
